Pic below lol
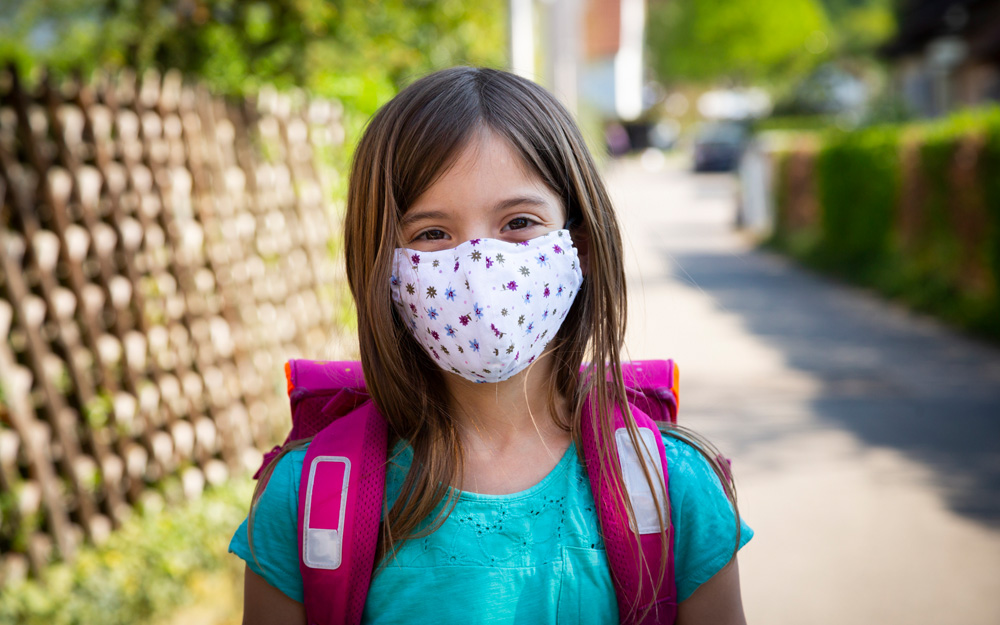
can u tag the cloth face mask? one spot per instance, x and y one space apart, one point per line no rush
486 309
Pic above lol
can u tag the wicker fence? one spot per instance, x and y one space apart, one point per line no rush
163 252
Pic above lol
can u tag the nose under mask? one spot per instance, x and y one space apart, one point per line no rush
487 308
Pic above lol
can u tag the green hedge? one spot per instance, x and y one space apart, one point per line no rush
989 164
163 558
858 186
938 249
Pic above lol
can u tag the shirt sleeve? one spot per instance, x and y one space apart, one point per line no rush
702 517
276 529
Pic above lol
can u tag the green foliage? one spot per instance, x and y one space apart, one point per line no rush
98 410
989 165
359 52
865 28
858 185
16 526
742 40
860 25
150 566
938 250
940 255
776 44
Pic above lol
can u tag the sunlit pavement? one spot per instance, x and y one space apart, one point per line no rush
866 440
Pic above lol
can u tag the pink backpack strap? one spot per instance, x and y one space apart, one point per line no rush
340 506
633 588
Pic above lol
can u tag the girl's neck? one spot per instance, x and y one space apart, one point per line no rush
511 415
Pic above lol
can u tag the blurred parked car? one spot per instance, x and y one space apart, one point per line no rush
663 134
718 145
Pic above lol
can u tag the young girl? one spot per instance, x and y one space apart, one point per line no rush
489 515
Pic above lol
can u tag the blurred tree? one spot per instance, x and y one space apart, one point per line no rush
860 25
770 42
743 41
360 51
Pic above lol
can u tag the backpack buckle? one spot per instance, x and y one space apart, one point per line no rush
323 525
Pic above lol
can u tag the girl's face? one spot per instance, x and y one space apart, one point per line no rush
487 193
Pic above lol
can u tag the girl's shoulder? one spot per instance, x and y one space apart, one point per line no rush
687 467
706 530
684 461
275 551
693 484
287 473
701 515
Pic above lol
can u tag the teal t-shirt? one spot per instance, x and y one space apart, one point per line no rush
530 557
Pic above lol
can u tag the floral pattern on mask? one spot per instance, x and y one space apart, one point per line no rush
487 308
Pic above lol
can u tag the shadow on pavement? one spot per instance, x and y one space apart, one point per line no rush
891 379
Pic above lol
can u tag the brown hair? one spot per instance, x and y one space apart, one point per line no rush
408 144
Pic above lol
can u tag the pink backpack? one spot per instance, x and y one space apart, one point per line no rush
343 483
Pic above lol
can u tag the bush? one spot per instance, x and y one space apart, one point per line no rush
858 186
912 210
158 561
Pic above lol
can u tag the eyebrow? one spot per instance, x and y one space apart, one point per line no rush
502 205
532 200
410 217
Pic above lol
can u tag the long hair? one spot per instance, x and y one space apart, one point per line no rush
409 143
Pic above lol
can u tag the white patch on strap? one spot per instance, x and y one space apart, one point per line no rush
322 548
643 503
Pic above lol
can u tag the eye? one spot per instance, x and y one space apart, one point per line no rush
430 235
519 223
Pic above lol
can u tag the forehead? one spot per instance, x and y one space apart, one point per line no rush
486 170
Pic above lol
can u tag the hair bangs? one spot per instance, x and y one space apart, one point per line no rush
433 129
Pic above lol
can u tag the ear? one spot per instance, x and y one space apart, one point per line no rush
581 241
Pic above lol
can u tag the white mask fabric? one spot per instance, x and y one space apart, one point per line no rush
485 309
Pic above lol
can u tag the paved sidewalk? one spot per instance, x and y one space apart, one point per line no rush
866 440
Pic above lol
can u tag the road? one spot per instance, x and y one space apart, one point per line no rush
865 439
